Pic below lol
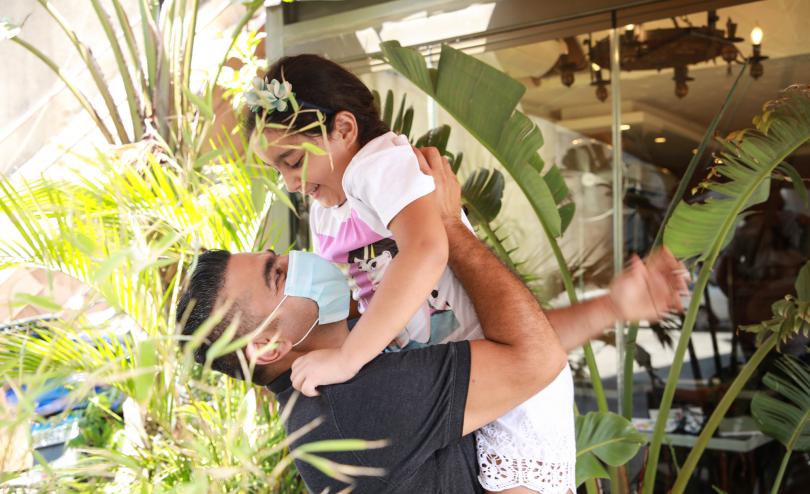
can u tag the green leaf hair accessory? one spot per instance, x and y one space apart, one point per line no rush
273 97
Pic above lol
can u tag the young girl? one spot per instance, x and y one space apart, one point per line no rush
373 215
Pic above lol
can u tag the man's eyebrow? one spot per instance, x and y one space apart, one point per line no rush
268 270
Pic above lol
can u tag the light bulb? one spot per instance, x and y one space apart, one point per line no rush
756 35
595 66
630 27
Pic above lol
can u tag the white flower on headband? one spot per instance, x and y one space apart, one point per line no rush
274 97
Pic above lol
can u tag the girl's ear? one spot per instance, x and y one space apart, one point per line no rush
345 128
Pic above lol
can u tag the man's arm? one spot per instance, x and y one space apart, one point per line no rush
521 353
644 291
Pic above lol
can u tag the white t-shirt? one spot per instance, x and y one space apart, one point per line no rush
381 180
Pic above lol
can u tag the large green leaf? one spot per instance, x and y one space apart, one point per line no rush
484 100
402 122
483 191
604 438
746 164
786 419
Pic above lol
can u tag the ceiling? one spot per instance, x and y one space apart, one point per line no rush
649 104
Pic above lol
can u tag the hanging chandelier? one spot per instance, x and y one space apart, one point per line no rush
674 48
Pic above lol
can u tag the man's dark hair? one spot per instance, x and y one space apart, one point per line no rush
201 294
328 86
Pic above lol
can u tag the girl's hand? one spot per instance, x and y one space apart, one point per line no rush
321 367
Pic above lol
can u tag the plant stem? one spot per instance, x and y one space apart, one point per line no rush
782 468
720 412
79 96
674 374
132 96
189 49
590 359
92 66
629 358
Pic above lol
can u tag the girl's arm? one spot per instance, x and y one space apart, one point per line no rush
409 279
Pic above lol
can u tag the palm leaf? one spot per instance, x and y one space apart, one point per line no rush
786 419
483 100
483 194
703 229
86 54
403 121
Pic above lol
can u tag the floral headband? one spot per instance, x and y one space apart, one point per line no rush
276 96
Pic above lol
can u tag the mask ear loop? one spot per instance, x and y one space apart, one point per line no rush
273 313
307 333
265 323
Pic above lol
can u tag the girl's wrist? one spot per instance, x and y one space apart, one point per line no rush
352 358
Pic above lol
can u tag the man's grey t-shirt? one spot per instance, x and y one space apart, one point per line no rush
413 399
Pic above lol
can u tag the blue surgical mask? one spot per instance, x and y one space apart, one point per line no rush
317 279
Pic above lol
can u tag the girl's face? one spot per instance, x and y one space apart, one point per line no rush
324 176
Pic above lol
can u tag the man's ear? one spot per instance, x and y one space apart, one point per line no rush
345 128
265 351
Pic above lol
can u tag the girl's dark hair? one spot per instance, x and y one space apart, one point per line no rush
322 84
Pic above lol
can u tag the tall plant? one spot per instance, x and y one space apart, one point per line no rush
161 103
701 230
791 317
129 223
118 226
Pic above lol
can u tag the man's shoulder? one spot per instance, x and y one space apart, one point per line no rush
424 436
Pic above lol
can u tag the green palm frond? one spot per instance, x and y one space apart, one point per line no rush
791 315
786 419
483 194
402 122
116 226
701 230
483 100
746 164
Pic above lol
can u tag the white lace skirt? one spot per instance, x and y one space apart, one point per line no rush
533 445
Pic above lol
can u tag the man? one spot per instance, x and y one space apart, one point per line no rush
426 402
